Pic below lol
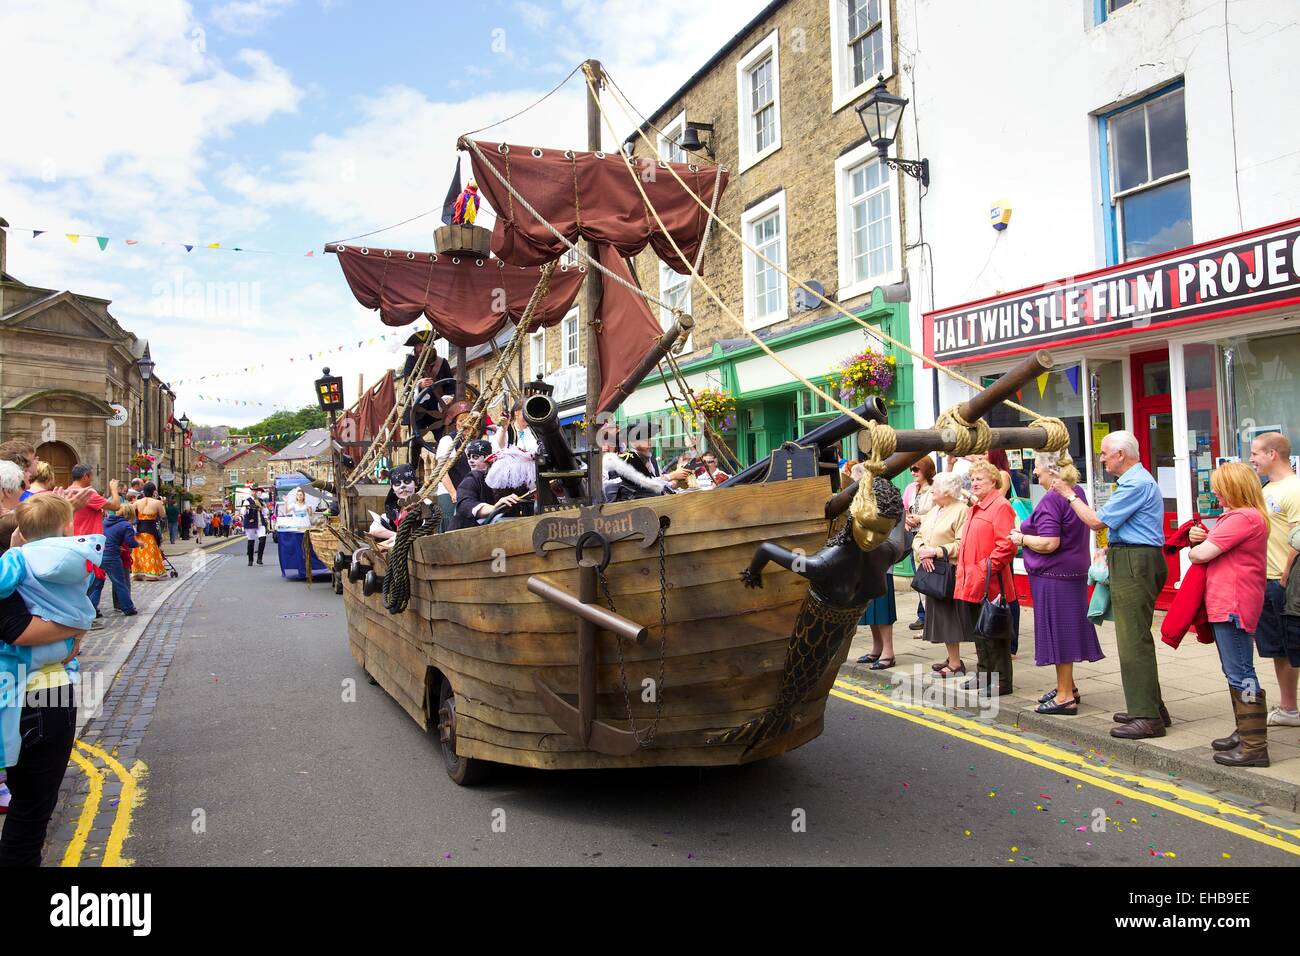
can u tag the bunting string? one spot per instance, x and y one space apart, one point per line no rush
103 241
387 338
234 441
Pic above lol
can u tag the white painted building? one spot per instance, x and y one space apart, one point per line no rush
1114 130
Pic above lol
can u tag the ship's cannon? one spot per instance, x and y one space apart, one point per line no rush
824 436
555 459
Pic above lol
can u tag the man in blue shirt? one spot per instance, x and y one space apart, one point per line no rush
1132 518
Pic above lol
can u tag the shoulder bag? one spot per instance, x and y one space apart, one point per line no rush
939 583
994 621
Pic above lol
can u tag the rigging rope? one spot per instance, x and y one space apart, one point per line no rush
628 110
492 386
381 439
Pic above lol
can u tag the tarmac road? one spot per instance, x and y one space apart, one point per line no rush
252 728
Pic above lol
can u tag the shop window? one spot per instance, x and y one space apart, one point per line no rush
1149 180
765 287
1062 397
1261 376
758 93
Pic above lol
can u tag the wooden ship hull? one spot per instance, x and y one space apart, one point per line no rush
473 621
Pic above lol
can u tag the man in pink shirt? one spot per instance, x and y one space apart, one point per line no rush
89 518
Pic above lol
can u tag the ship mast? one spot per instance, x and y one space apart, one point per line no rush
590 303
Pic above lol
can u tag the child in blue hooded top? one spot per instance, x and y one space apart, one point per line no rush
51 572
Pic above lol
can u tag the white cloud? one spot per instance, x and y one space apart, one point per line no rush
535 16
248 16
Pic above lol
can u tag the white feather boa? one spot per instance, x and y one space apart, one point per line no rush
618 468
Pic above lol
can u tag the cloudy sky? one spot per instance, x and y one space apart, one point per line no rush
277 126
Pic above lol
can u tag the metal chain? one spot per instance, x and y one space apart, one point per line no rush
645 737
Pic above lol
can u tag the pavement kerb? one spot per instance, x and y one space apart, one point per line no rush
1237 786
132 636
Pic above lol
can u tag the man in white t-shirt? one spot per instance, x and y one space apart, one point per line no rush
1277 635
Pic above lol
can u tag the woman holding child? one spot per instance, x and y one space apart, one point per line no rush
38 744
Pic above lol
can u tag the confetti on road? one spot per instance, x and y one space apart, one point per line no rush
690 856
993 793
968 834
1080 829
1226 856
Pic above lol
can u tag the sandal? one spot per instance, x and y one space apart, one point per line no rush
1067 708
868 658
882 663
939 666
949 671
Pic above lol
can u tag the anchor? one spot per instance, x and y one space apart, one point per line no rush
580 721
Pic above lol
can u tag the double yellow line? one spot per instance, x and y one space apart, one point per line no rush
1167 795
84 755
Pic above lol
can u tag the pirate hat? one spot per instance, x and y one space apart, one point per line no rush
460 407
418 336
400 474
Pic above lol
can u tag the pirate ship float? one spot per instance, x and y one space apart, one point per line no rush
685 629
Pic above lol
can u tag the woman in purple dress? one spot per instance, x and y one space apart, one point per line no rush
1055 546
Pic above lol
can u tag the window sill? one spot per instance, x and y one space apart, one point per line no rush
842 98
753 324
866 286
750 161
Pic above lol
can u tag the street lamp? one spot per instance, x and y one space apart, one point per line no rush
145 366
881 113
184 422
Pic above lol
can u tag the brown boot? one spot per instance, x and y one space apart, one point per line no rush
1252 728
1231 741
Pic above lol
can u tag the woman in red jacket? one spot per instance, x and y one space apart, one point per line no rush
1235 558
984 539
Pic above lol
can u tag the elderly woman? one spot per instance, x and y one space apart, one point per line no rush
918 499
984 570
1056 556
1235 556
937 541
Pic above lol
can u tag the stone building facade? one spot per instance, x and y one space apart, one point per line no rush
70 381
215 471
807 188
309 453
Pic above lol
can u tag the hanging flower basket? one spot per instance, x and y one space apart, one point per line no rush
862 375
715 405
141 462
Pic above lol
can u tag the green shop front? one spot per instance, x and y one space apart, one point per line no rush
770 406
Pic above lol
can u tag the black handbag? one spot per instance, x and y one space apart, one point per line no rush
994 621
939 583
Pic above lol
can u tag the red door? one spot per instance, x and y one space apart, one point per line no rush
1154 428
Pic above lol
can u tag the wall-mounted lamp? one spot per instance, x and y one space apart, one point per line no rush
880 113
691 138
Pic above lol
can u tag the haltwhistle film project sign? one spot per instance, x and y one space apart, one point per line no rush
1240 274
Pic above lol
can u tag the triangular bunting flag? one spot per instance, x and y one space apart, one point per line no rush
133 242
73 237
1042 383
188 247
36 232
214 245
310 254
1072 376
103 242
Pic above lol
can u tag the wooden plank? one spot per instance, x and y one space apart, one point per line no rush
694 637
511 720
701 512
810 534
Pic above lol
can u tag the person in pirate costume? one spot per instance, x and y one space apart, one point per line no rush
437 373
476 500
639 473
458 413
401 485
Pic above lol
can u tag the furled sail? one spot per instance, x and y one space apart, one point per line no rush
592 196
467 300
363 421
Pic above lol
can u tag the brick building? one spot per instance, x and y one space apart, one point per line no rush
809 190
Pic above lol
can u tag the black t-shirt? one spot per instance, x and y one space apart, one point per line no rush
14 616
